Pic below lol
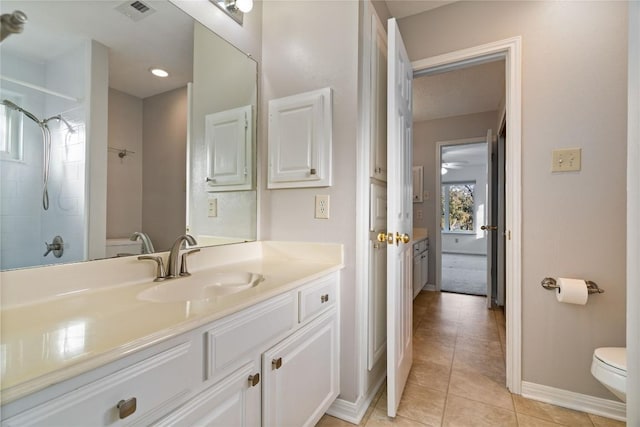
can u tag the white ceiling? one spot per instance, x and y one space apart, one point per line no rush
464 91
162 39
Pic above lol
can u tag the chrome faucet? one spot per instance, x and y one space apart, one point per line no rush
173 269
147 246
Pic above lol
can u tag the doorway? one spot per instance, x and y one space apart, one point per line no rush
510 51
462 174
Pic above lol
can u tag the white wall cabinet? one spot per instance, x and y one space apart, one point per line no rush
220 374
228 136
299 140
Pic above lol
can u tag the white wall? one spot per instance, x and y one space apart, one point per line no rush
310 45
235 87
574 71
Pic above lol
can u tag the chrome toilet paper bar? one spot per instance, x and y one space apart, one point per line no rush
549 283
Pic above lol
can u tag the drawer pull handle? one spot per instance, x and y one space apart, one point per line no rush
324 298
254 379
276 363
126 407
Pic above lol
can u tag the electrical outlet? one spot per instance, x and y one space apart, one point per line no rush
322 206
213 208
566 160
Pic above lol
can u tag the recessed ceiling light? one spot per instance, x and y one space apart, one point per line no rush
159 72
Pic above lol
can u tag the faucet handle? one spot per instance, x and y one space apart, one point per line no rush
183 265
161 274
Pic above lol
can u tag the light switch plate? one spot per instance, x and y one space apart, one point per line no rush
322 206
566 160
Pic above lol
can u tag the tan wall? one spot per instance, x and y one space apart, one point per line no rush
124 176
425 136
309 45
574 71
164 167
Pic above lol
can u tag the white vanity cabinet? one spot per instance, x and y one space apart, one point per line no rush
233 401
137 393
274 363
420 265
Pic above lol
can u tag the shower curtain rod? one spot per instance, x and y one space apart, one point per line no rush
40 88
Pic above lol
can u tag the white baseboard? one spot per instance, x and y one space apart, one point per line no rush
579 402
354 412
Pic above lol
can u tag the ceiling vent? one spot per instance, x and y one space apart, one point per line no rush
135 10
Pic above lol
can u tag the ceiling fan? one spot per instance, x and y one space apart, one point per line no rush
445 166
454 165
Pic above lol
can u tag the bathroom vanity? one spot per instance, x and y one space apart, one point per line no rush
109 355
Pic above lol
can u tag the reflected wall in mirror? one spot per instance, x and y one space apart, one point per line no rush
87 132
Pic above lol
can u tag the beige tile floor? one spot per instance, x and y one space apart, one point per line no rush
458 374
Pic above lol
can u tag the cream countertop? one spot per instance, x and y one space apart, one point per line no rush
420 234
50 340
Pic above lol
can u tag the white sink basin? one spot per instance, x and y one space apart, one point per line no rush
200 286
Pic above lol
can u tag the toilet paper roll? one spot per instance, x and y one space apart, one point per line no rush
572 291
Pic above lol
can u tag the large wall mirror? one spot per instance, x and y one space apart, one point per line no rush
96 150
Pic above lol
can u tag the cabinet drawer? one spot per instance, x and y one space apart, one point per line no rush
155 383
317 297
234 339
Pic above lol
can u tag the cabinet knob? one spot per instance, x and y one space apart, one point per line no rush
324 298
254 379
312 171
276 363
126 407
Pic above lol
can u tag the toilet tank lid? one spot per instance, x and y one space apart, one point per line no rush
614 356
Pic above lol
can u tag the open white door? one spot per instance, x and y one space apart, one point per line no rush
399 218
490 228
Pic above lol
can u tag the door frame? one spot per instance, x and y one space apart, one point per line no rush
438 194
511 51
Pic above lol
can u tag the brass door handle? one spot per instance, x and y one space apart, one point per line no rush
404 238
489 228
385 238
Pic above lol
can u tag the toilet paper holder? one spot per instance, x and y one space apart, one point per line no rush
549 283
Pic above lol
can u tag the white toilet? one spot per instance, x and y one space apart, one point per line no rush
609 366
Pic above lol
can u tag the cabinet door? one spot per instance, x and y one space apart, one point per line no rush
417 274
300 140
378 100
234 401
301 375
424 267
229 149
377 324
